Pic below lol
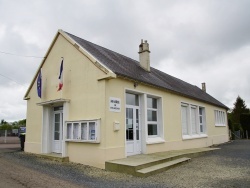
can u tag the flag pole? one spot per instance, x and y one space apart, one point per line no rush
62 79
41 84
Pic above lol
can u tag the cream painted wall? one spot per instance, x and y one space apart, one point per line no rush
171 119
33 123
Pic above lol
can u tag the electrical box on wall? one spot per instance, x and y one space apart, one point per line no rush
116 126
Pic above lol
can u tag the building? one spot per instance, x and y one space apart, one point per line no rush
111 106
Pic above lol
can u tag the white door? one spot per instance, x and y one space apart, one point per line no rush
133 129
57 130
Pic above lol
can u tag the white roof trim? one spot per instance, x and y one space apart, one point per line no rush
86 53
52 102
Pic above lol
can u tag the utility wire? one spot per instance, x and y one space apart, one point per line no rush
11 80
7 53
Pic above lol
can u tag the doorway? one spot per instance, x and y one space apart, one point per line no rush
57 130
133 127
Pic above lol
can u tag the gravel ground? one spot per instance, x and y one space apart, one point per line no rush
228 167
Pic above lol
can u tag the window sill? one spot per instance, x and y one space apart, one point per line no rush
84 141
155 140
220 125
188 137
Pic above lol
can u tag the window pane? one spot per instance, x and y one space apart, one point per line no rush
58 108
137 125
223 118
193 120
57 117
69 128
152 115
56 135
151 102
201 128
152 129
200 111
92 130
184 119
132 99
75 130
57 126
84 131
129 118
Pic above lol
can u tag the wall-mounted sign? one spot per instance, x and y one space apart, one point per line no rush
114 104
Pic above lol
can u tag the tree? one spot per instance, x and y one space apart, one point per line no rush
6 127
239 108
3 122
22 122
245 122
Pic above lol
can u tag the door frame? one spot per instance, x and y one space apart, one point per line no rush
47 124
54 150
141 106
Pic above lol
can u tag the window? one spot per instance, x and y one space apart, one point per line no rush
193 121
184 113
152 113
202 119
132 99
83 131
220 118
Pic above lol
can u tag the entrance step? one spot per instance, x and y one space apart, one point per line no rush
145 172
54 157
144 165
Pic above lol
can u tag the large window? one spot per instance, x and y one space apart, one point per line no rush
220 118
83 131
193 121
152 116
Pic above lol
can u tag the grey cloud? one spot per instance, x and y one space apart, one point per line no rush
195 40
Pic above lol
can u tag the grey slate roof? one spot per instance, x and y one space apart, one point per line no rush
126 67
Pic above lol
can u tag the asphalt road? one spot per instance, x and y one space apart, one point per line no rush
227 167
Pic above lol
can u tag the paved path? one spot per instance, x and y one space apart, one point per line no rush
228 167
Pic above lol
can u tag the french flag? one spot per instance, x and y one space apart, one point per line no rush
60 77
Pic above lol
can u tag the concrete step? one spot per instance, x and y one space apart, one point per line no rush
133 164
145 172
54 157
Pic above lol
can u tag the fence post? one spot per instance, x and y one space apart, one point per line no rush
5 136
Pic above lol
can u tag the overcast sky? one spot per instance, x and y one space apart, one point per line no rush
196 41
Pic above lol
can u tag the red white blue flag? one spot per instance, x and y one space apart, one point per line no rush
39 84
60 77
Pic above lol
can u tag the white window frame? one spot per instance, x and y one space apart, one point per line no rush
190 133
220 118
157 117
159 138
92 136
203 117
148 140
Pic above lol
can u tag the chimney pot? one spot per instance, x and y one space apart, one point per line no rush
144 55
203 86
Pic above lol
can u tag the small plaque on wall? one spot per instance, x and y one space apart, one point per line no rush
114 104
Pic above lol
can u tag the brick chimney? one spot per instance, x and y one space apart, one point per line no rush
203 86
144 55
